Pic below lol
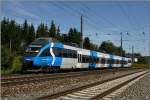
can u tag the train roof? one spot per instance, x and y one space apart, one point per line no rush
43 41
100 54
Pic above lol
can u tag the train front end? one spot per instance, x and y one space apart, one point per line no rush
31 58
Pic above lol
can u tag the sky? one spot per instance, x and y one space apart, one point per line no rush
102 20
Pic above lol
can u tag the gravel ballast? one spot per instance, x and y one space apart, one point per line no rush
137 91
38 89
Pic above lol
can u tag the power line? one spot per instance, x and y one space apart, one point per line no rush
64 8
90 21
127 16
94 13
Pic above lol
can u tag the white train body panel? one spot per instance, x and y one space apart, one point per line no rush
69 63
68 57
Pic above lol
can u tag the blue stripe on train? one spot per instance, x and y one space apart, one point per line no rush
93 54
43 60
58 60
111 58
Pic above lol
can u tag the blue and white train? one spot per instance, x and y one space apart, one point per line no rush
46 53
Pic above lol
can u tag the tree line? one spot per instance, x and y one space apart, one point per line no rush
16 37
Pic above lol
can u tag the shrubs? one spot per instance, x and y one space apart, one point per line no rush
10 63
136 65
6 58
16 64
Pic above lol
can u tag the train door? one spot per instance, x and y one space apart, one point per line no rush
79 62
93 56
110 61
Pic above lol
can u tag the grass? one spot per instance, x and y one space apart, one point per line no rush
6 72
135 65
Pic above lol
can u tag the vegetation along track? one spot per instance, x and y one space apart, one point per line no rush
95 90
46 77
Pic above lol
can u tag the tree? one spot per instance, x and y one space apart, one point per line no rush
70 34
31 35
86 43
42 31
94 47
25 32
4 31
107 47
74 36
6 57
52 30
58 36
58 31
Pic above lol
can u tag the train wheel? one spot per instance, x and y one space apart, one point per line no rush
24 70
56 69
49 69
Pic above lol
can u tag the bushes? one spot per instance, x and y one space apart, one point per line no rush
136 65
6 58
16 64
10 63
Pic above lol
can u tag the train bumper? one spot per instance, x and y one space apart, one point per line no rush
27 64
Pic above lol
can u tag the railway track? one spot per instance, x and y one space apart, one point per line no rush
96 90
46 77
37 78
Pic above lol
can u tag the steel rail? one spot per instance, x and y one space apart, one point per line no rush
53 96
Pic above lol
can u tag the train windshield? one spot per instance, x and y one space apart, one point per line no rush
40 41
32 51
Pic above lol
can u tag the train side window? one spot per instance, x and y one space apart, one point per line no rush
91 59
64 52
75 54
116 61
57 52
78 58
67 53
103 60
119 61
83 59
87 58
108 61
96 59
70 53
46 52
129 61
99 60
124 62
